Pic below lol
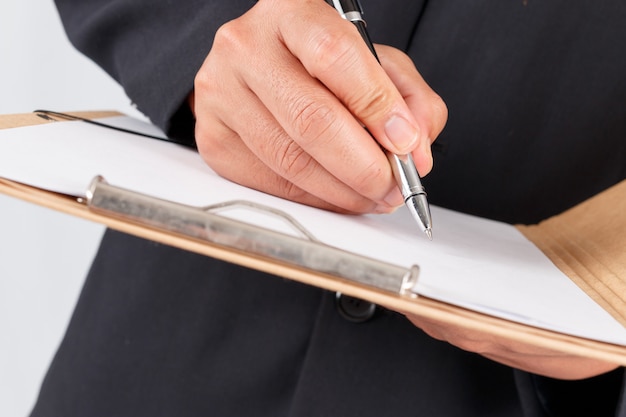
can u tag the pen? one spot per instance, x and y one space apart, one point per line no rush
402 166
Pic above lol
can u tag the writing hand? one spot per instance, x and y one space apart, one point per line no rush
282 97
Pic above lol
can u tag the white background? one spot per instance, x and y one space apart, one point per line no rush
44 255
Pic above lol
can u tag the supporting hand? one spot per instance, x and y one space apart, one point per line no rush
537 360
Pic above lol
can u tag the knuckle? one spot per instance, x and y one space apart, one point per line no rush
370 103
229 36
228 44
290 191
336 53
292 161
204 82
332 51
312 119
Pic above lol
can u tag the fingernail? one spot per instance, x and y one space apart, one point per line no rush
401 133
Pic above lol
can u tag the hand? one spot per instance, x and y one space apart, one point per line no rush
280 99
519 355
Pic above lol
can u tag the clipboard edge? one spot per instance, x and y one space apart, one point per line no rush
9 121
421 306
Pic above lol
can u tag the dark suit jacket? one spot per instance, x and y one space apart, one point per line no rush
536 94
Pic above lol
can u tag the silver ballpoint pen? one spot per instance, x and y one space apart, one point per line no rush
403 166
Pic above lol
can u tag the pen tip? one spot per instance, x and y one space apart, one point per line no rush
429 234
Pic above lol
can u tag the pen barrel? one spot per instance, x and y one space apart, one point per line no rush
347 7
406 175
362 28
412 190
352 11
402 165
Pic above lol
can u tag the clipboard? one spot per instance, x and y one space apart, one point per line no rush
596 264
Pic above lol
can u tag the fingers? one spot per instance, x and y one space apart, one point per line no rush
275 163
239 138
221 153
289 121
517 354
318 127
284 94
341 60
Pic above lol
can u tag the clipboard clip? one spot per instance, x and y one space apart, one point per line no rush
202 223
279 214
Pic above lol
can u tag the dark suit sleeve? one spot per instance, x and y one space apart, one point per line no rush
153 48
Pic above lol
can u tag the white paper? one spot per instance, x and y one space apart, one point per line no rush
476 263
